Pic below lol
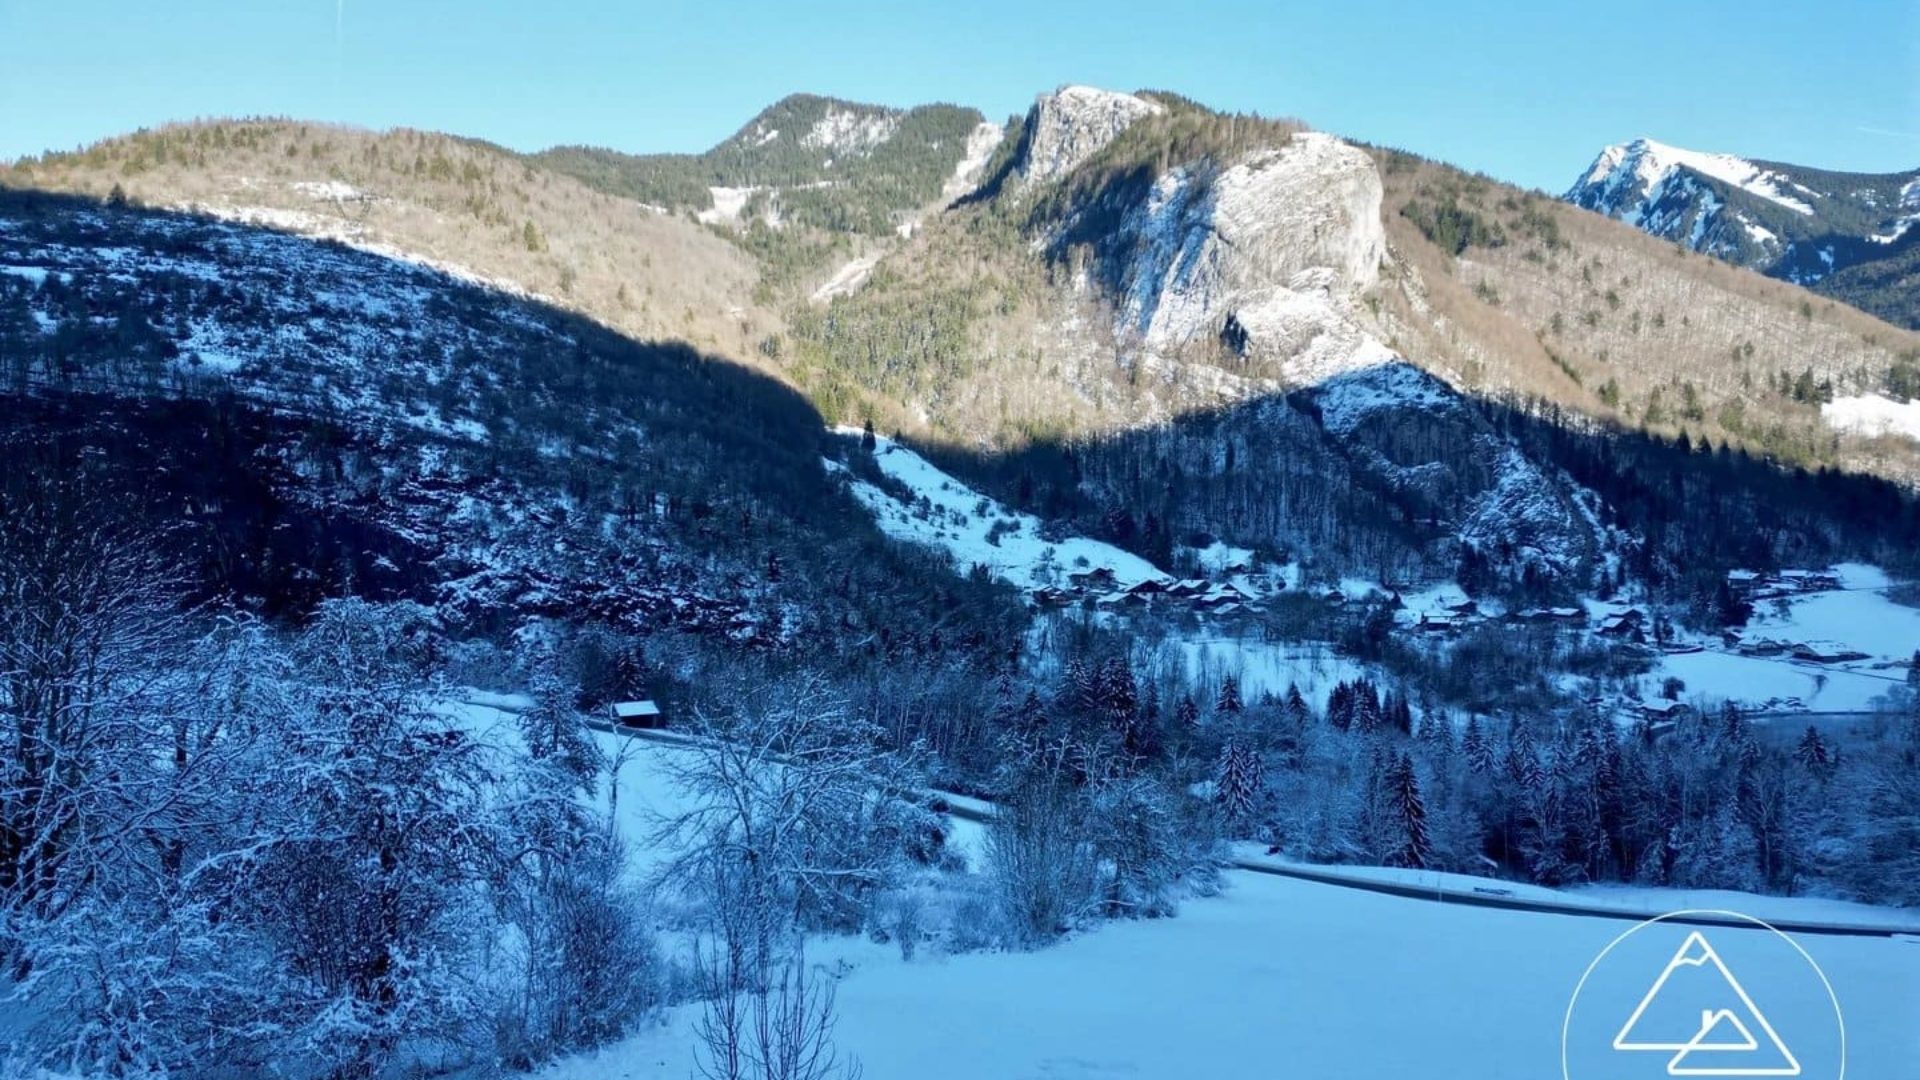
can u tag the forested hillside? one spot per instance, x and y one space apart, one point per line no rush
461 446
806 160
470 208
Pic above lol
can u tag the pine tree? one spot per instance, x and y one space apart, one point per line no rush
1118 693
868 441
1298 714
1523 761
1368 716
1340 707
1027 723
1186 715
1239 783
1119 701
1397 713
1479 752
1410 817
1228 705
553 731
1812 753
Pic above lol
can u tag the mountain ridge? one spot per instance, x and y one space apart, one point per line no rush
1837 233
1166 261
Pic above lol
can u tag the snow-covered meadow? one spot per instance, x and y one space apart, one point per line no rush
1278 976
1285 978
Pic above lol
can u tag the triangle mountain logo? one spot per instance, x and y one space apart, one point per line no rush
1698 1012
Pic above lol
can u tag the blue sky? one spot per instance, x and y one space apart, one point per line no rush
1525 91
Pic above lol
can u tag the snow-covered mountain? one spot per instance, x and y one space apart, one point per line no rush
1834 232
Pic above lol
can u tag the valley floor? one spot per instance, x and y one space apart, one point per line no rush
1280 977
1287 978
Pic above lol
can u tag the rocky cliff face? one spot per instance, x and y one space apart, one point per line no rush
1072 124
1263 255
1234 282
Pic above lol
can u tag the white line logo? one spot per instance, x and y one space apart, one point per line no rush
1712 1041
1631 1018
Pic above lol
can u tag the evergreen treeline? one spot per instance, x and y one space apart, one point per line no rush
859 190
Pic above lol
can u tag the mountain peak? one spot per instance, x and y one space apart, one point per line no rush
1641 167
820 123
1801 224
1073 123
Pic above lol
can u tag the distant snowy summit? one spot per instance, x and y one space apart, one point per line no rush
1800 224
1627 179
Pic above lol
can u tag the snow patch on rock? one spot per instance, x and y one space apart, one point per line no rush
728 202
330 191
973 161
1379 382
848 278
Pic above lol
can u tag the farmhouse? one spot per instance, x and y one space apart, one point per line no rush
1099 578
1663 709
1629 625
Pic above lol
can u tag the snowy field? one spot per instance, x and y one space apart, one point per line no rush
1266 667
1281 978
1858 616
1278 977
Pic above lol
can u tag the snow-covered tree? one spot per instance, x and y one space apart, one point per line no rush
1299 715
1239 783
793 799
1414 848
1228 705
369 885
553 730
1186 716
1812 754
1040 860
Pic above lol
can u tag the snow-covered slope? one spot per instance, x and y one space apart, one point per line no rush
1872 414
978 531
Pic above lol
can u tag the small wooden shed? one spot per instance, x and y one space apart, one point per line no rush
637 714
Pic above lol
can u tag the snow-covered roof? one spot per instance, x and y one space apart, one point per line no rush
635 710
